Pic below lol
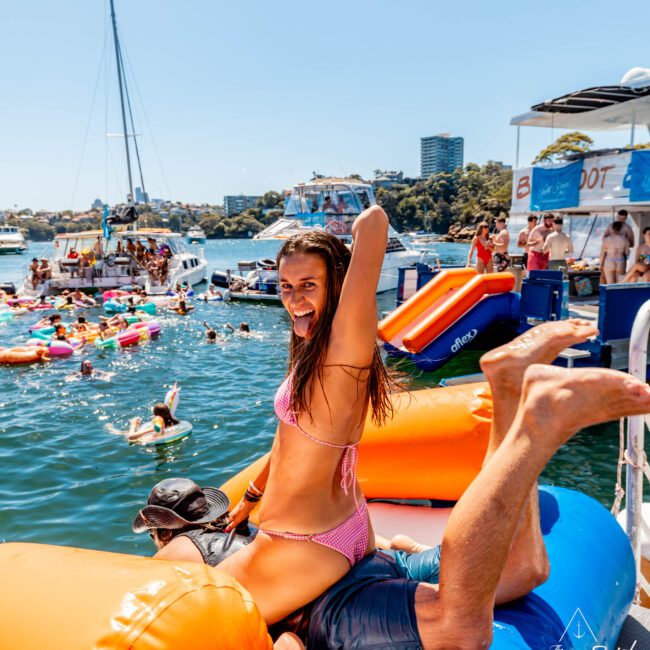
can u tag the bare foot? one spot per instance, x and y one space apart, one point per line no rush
541 344
556 402
288 641
408 544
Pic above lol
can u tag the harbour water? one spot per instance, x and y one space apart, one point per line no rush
66 480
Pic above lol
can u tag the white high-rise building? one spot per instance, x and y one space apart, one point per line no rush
440 153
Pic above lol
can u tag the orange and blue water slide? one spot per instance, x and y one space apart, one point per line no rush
448 313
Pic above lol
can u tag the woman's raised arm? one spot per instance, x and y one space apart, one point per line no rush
354 330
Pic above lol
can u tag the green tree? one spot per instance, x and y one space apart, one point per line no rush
572 142
271 200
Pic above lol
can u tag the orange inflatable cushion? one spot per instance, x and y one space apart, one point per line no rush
74 599
432 448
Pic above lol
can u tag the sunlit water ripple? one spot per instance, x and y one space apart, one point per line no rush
66 480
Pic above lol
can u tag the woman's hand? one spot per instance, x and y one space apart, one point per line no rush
240 512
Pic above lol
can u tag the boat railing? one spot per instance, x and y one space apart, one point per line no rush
634 457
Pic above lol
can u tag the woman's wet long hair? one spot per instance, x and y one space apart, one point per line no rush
307 356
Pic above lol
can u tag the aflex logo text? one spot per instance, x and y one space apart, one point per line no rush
463 340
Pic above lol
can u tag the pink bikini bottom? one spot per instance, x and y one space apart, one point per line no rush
349 538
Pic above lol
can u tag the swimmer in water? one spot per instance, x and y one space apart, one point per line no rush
88 370
211 334
160 410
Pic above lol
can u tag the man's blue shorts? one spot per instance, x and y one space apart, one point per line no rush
373 606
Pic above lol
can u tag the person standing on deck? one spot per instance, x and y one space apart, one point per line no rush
537 258
626 230
501 241
522 239
558 245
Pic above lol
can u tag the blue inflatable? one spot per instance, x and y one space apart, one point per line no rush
584 602
502 308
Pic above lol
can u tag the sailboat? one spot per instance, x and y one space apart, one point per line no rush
120 254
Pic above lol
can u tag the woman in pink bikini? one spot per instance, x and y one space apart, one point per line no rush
313 521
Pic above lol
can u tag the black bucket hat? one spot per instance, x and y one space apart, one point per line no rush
179 502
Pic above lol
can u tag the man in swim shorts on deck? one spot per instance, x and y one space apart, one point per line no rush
390 600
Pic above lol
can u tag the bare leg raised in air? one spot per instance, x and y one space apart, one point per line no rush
555 403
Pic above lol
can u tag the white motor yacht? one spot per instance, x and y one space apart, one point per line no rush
195 235
332 204
11 240
90 262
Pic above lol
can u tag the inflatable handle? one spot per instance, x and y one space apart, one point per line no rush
172 398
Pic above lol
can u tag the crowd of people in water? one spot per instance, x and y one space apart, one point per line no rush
545 246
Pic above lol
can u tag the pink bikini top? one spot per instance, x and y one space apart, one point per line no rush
282 405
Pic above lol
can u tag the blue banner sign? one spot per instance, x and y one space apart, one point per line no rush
556 187
640 176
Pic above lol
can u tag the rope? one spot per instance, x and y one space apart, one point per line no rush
624 459
619 492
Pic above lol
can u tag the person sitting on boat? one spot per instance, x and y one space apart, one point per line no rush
613 254
162 419
97 248
640 270
139 252
34 269
45 270
483 246
163 268
73 255
152 270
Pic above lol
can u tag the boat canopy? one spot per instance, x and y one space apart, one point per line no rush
319 203
601 108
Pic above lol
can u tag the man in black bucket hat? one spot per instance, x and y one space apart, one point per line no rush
187 522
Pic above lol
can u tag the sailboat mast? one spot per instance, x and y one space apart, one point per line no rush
120 83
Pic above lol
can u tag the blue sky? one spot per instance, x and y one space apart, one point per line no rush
250 96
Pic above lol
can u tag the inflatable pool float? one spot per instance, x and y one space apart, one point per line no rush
169 435
114 293
113 307
62 348
123 339
207 297
152 327
44 329
23 354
